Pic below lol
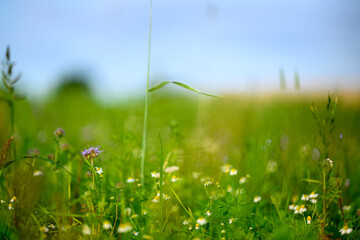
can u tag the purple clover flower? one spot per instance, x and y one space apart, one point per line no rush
92 152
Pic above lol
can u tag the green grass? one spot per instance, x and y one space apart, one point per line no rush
272 139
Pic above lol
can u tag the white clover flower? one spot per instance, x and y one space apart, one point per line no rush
226 168
257 199
345 230
124 228
201 221
37 173
208 213
98 170
242 180
305 197
86 230
155 174
233 172
130 180
292 206
171 169
308 220
106 224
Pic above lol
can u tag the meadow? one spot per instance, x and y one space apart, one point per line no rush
276 166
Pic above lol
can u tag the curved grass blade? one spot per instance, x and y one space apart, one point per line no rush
39 158
4 152
164 83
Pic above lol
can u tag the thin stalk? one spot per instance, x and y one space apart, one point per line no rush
324 200
12 125
161 180
93 174
143 150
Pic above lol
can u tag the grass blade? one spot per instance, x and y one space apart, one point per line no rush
164 83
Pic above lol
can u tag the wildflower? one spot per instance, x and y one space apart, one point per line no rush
201 221
134 216
271 166
156 199
106 224
208 213
313 195
124 228
51 226
197 226
223 231
250 228
346 208
292 206
242 180
127 211
2 201
229 188
313 200
92 152
59 133
190 228
166 197
233 172
226 168
257 199
13 199
144 212
11 206
98 170
308 220
37 173
86 230
345 230
155 174
130 180
175 179
305 197
185 222
330 162
171 169
135 233
231 220
300 209
43 229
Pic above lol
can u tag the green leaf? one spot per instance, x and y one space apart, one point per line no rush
162 84
312 181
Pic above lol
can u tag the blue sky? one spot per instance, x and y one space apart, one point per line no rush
216 46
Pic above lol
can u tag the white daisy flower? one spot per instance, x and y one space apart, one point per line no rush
106 224
208 213
43 229
201 221
13 199
124 227
345 230
330 162
233 172
346 208
135 233
313 195
11 206
2 201
308 220
305 197
51 226
130 180
86 230
37 173
197 226
155 174
175 179
313 200
257 199
98 170
231 220
300 210
226 168
185 222
127 211
292 207
242 180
